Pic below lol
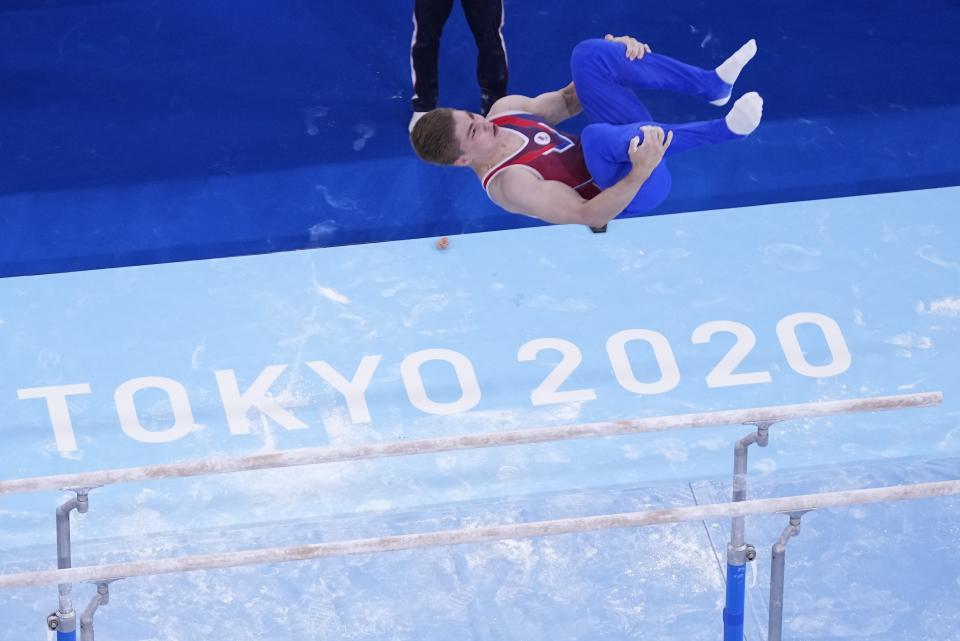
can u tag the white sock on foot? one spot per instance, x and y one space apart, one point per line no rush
745 114
729 70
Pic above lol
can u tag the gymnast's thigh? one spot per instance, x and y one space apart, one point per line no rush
602 96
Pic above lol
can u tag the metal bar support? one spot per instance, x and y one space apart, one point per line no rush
777 563
738 551
64 620
102 597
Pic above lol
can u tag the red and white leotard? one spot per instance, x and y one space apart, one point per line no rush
547 152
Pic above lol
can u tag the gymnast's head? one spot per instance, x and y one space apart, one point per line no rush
452 137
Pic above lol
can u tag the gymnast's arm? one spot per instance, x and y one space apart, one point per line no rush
521 191
553 106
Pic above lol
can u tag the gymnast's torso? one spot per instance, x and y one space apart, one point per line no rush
550 154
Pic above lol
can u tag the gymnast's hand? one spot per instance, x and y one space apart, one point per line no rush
635 48
647 155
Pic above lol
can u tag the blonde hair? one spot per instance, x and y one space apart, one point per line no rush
434 139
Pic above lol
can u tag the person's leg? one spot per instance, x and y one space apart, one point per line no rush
485 18
429 16
602 96
606 147
605 79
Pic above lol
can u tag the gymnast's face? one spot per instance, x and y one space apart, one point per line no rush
476 135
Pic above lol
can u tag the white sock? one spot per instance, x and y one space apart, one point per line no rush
745 114
729 70
417 115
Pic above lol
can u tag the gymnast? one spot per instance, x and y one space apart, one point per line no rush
616 164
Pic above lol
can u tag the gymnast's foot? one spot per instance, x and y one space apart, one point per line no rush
745 114
730 69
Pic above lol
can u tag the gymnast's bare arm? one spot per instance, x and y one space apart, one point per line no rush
553 106
521 191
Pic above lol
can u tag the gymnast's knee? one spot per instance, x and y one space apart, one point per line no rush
589 134
589 56
594 137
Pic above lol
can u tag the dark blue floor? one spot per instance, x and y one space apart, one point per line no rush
140 131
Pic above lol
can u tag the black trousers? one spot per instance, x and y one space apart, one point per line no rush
485 18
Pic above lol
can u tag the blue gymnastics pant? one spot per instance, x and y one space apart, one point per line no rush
605 80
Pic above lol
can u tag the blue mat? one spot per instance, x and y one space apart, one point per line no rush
136 131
